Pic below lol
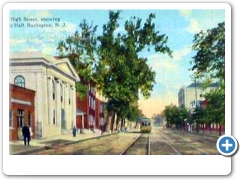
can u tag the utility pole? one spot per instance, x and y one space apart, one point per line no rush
196 92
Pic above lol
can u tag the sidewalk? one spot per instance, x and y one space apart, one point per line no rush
18 147
209 133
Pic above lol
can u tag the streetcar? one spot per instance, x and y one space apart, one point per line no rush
145 125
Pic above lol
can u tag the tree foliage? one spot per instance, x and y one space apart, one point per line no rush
209 60
121 72
209 64
175 115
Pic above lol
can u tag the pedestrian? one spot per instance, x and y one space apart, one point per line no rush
74 131
26 134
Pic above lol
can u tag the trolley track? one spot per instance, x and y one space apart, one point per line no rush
188 144
108 145
141 146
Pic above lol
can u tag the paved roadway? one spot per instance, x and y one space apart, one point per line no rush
170 142
162 142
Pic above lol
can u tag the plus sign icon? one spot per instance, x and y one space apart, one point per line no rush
227 145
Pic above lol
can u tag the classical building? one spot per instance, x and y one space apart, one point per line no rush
53 81
21 109
191 95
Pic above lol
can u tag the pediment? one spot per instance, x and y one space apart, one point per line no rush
65 66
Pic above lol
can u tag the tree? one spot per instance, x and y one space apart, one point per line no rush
216 108
175 115
209 61
183 114
198 117
121 73
209 65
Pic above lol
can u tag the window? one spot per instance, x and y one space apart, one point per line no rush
69 94
89 101
20 118
19 81
94 104
54 118
53 90
30 119
61 93
10 118
91 120
101 108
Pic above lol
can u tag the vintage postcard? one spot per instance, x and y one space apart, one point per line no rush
131 83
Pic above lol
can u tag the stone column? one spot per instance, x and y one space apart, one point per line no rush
74 105
58 103
66 103
69 119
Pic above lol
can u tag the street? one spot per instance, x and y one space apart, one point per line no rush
159 142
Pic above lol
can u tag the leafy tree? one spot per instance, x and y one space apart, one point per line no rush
198 116
183 114
209 64
175 115
209 61
121 73
171 114
216 107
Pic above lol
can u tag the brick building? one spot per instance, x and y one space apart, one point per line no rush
21 109
90 110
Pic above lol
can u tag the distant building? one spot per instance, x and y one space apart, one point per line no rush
191 95
53 81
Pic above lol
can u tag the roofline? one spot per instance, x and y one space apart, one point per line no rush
49 61
47 65
70 65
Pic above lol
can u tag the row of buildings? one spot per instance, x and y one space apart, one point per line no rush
192 96
43 95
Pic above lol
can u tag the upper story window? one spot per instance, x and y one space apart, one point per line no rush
19 81
10 118
53 90
61 87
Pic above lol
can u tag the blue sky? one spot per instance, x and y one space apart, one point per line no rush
171 73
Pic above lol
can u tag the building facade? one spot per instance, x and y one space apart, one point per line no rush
21 109
191 95
53 80
90 110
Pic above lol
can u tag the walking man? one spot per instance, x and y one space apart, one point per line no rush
74 131
26 134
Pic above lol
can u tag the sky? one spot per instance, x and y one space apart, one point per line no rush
171 73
